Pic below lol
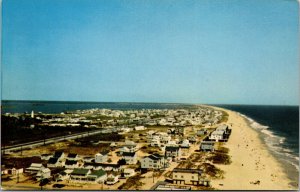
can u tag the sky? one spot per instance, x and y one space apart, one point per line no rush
175 51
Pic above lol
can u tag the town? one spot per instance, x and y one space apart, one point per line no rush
157 149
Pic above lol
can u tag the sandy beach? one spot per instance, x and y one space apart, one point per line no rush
251 161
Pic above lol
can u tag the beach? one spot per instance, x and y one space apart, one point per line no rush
253 167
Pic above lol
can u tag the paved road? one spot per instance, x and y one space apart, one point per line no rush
50 140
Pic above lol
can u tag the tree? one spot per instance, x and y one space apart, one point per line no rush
122 162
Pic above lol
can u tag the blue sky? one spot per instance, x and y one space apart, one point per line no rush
202 51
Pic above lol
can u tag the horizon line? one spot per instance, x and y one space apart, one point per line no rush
213 104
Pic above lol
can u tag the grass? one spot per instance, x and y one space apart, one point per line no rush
211 170
131 183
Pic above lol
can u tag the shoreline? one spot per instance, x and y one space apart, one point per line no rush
252 160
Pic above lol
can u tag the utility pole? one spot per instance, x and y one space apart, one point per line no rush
18 176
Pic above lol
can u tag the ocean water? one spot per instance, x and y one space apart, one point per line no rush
279 129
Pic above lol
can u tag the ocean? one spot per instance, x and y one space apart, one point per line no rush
278 125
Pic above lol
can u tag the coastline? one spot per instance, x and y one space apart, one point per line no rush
251 160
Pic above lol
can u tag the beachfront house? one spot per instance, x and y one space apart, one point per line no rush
101 157
34 168
154 161
207 146
224 128
130 158
173 151
61 176
44 173
186 176
217 135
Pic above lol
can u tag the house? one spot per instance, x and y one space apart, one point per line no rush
101 157
154 161
130 157
207 146
104 166
186 176
79 175
224 128
61 176
54 162
112 179
97 176
46 157
132 146
185 143
217 135
11 170
173 152
43 173
71 164
72 156
128 173
88 159
34 168
202 131
155 141
140 128
192 139
59 155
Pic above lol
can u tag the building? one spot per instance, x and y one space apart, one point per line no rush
202 131
46 156
186 176
128 173
54 162
79 175
112 179
130 157
73 157
173 152
224 128
71 164
59 155
154 161
101 157
97 176
207 146
44 173
217 135
34 168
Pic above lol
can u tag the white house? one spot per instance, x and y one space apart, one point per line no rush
97 176
71 164
130 158
140 128
152 161
46 156
59 155
112 179
101 157
217 135
128 172
44 173
34 168
55 162
173 152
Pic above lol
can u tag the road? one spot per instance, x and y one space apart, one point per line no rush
50 140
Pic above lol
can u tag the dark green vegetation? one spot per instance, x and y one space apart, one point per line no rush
132 183
17 130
